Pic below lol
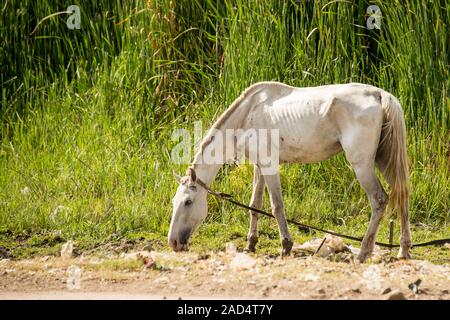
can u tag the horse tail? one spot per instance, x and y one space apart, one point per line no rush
391 157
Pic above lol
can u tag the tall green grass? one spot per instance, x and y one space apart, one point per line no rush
87 115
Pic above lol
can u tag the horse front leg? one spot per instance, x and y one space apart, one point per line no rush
256 202
276 200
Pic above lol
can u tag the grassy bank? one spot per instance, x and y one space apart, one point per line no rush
87 115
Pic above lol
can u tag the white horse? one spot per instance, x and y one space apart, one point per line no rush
314 124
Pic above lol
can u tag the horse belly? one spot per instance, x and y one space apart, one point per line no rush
312 141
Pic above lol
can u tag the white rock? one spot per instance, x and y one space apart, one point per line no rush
331 246
230 248
310 246
311 277
336 244
135 255
95 260
354 250
372 277
73 281
242 261
67 250
161 280
396 295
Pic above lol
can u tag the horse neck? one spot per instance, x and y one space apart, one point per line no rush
205 171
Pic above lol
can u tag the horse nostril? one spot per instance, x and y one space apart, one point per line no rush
184 236
175 243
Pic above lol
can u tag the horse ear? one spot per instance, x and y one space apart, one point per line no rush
177 176
191 173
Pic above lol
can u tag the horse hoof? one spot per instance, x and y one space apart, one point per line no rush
362 256
251 245
404 254
250 248
287 246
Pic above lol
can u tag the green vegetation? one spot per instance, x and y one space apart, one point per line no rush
87 115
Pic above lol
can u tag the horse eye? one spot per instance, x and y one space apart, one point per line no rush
188 202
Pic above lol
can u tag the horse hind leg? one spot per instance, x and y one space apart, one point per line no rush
255 202
360 143
365 173
361 155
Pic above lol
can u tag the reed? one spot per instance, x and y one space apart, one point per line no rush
87 115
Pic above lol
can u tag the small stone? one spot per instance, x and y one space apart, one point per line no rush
149 263
356 290
203 256
396 295
230 248
242 261
387 290
265 291
161 280
138 255
321 291
414 287
67 250
147 247
311 277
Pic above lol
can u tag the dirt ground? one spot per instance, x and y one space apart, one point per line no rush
218 275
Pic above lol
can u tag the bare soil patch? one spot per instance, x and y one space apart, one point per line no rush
159 275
